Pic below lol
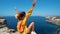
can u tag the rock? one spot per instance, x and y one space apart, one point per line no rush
58 32
4 29
16 33
11 30
4 33
2 21
1 26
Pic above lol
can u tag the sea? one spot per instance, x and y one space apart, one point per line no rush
40 27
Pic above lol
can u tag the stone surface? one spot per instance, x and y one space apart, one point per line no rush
6 30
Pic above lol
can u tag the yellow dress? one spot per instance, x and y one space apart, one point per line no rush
24 20
25 30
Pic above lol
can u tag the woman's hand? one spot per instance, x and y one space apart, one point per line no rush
16 10
33 4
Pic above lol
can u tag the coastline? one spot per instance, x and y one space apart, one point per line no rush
53 19
39 22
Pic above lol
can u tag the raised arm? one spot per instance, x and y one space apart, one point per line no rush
31 9
16 15
16 10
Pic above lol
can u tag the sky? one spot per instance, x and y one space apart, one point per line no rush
42 7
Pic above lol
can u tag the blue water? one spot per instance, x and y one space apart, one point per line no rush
41 26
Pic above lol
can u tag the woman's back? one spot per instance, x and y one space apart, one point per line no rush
20 26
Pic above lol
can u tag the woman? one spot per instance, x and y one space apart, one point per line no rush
22 18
